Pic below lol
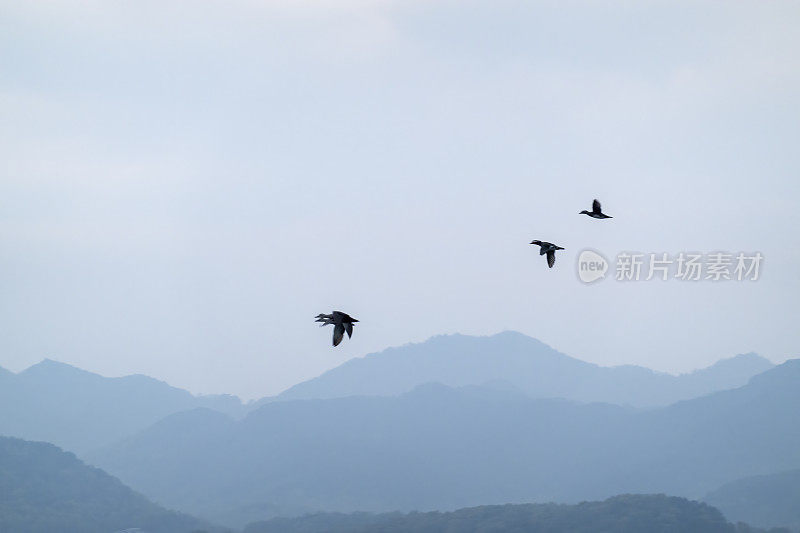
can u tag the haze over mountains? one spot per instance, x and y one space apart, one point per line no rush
621 514
43 489
443 448
514 360
453 422
80 411
770 500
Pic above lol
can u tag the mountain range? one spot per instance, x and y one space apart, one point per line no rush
515 361
44 489
439 447
620 514
80 411
453 422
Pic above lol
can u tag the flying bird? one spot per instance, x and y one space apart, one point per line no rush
548 248
596 211
341 322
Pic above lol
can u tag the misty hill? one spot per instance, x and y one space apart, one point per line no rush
620 514
525 364
767 501
79 410
439 448
43 489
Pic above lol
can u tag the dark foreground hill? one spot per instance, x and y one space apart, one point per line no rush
515 361
620 514
766 501
80 411
44 490
443 448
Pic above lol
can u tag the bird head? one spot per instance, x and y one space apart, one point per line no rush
536 242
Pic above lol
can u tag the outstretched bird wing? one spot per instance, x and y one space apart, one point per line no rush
338 334
349 328
596 207
551 258
325 319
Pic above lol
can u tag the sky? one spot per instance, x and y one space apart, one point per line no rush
185 185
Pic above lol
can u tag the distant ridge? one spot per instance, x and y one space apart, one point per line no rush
79 410
771 500
630 513
523 363
438 447
53 369
82 411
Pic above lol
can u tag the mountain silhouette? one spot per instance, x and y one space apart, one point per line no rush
442 448
630 513
79 410
525 363
771 500
44 489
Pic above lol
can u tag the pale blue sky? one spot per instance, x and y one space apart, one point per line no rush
186 184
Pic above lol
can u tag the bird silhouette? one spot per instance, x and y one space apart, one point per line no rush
341 322
548 248
596 211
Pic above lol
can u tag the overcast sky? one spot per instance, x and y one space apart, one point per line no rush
184 185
